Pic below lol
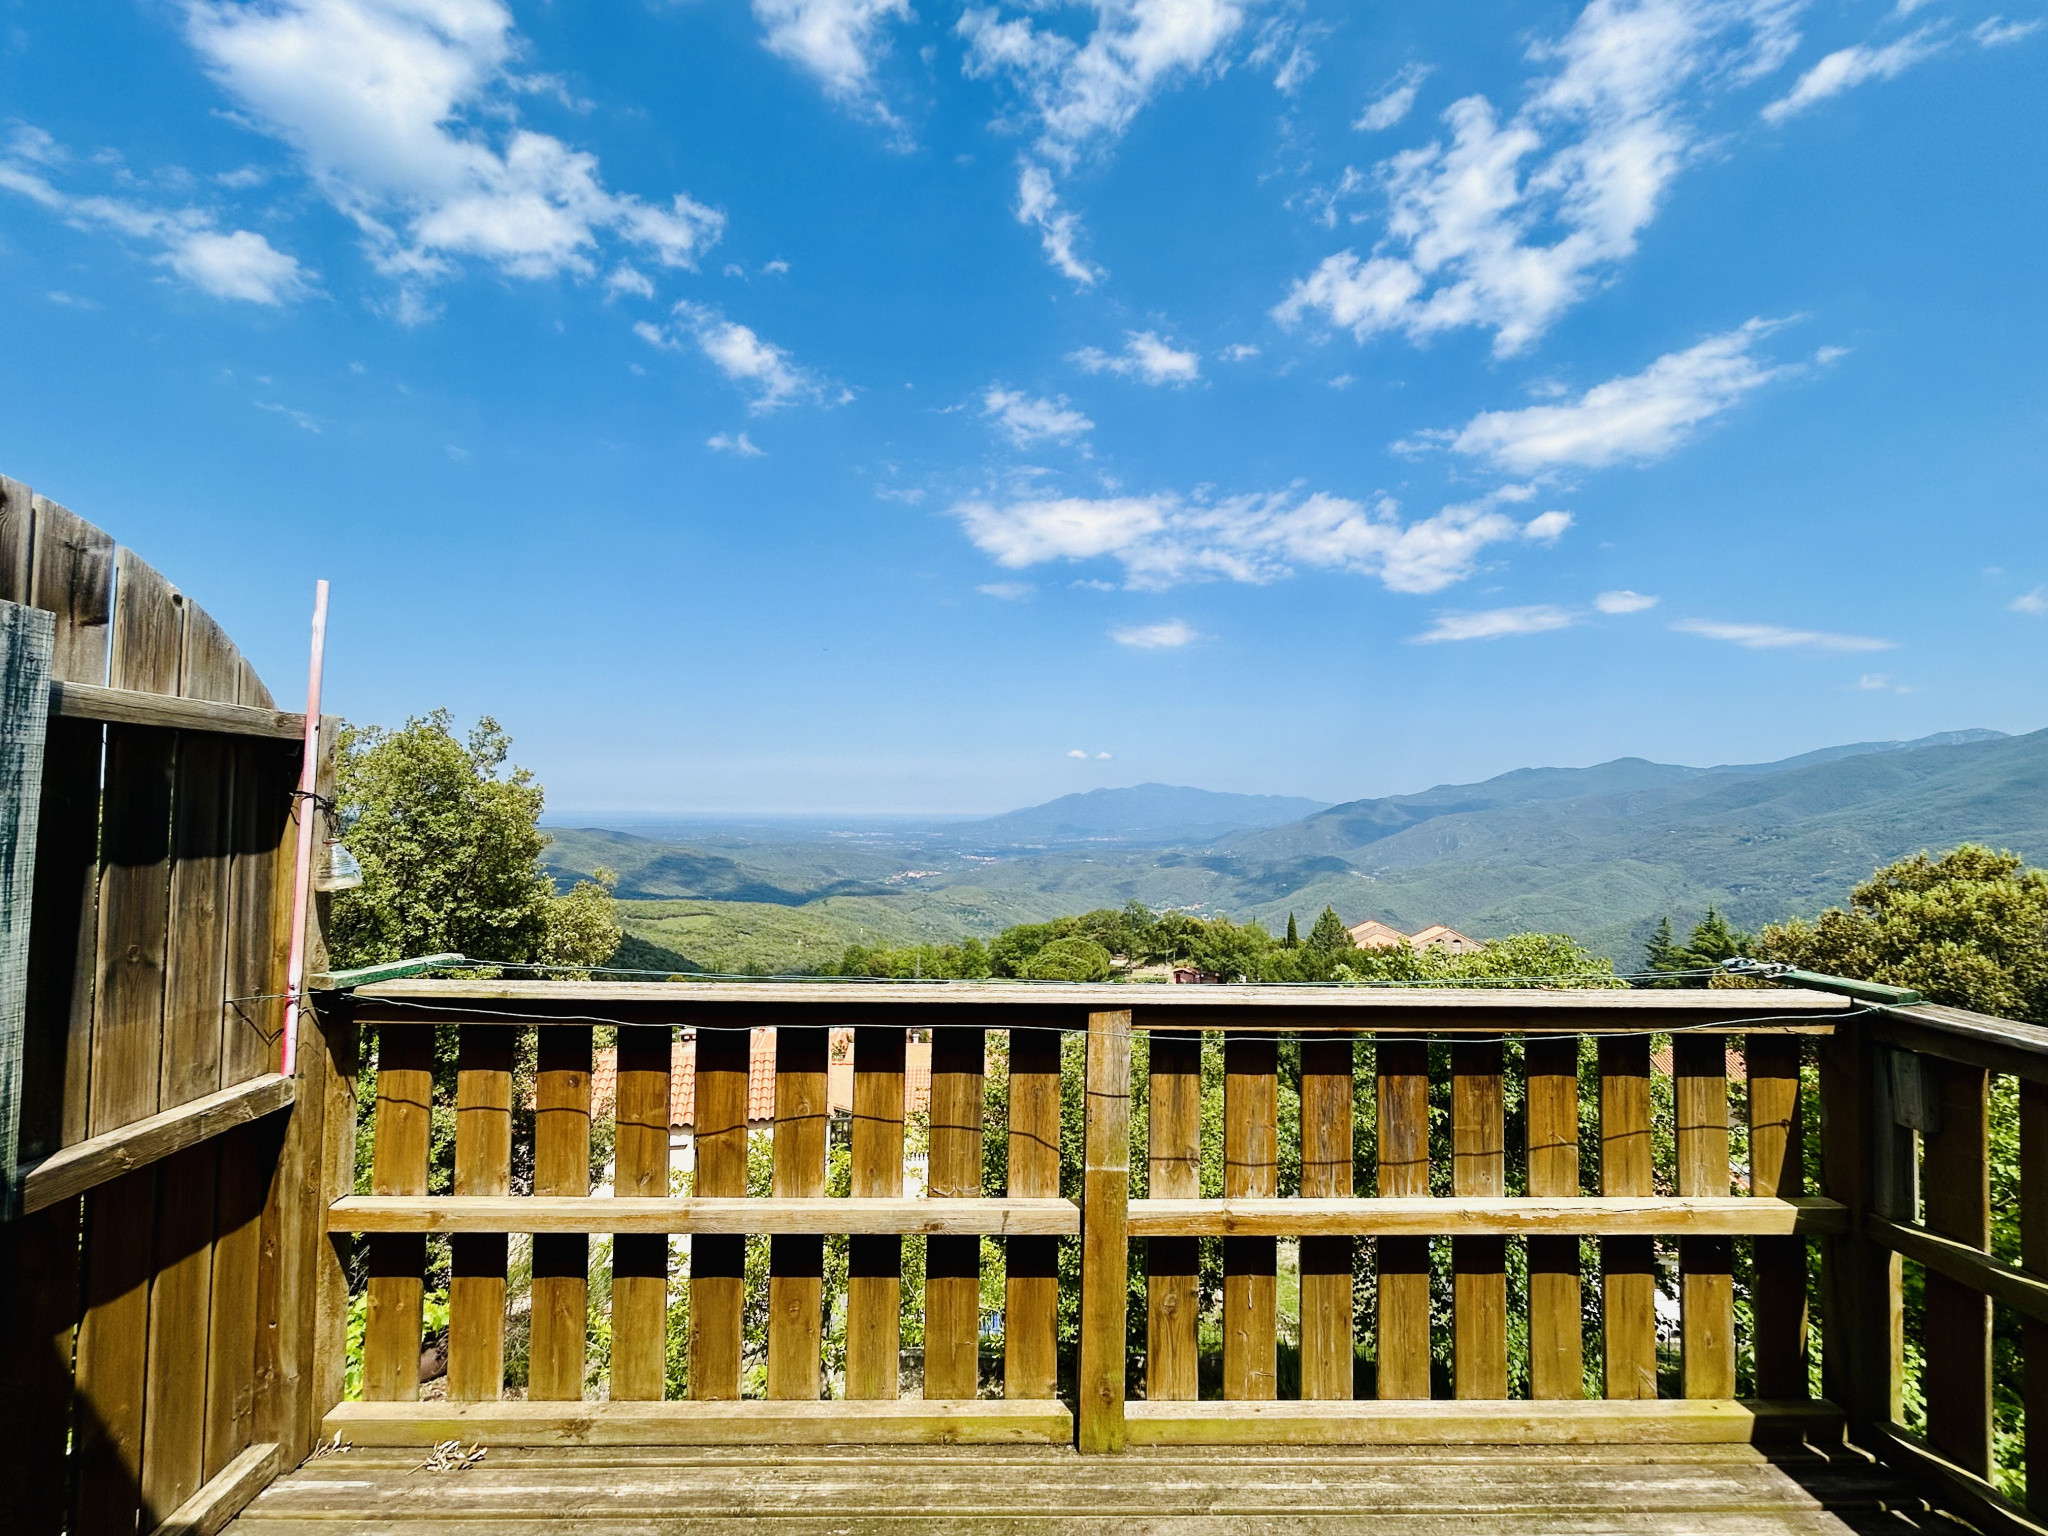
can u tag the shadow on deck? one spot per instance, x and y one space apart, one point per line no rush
1717 1490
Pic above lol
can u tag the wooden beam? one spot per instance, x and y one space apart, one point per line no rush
84 1164
1577 1216
1963 1264
227 1494
1964 1492
131 706
1978 1039
744 1217
1105 1249
27 637
751 1422
1472 1421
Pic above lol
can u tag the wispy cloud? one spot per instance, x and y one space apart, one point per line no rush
736 443
1495 623
1028 419
1642 416
1165 539
1038 205
1144 357
838 42
2034 602
764 369
1847 68
1167 635
1006 591
1775 637
1395 100
1623 601
1505 225
1879 682
1998 32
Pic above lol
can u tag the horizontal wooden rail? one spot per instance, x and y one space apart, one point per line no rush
85 1164
128 706
227 1494
1965 1493
971 1421
1652 1421
1963 1264
1612 1216
1956 1034
745 1217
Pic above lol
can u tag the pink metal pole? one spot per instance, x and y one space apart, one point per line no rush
302 882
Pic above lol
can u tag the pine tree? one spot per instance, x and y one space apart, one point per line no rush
1329 935
1715 940
1293 933
1662 952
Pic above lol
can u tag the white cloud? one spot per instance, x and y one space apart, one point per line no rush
739 443
1167 635
402 111
1076 752
1997 32
238 264
1642 416
1238 351
2034 602
1006 591
628 279
1847 68
838 42
1102 757
1144 357
1165 539
1038 205
300 419
1507 224
1623 601
1028 419
1879 682
1774 637
1495 624
737 352
1395 100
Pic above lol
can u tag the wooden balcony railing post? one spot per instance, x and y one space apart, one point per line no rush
718 1265
1031 1269
483 1166
561 1260
1105 1247
1628 1264
1172 1264
1326 1262
398 1261
952 1287
1957 1325
1706 1264
874 1283
1777 1168
796 1262
640 1259
1862 1337
1479 1279
1251 1170
1557 1367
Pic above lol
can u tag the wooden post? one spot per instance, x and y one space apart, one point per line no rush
483 1166
1031 1269
1557 1360
398 1260
1957 1327
1777 1168
26 638
1479 1361
1628 1264
1326 1331
718 1265
1251 1170
1172 1264
640 1259
1706 1264
1105 1207
1403 1262
561 1260
1862 1317
952 1287
874 1269
796 1264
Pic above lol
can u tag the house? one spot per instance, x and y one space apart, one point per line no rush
1449 940
1373 935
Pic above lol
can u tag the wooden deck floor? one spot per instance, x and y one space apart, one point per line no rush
1716 1490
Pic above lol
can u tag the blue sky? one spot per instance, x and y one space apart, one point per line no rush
884 405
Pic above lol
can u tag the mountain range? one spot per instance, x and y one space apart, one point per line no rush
1598 852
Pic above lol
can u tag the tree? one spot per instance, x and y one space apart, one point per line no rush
1662 953
1329 935
1293 940
1070 959
1714 940
450 845
1968 929
1517 960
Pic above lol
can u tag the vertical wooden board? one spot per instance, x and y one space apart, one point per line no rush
1105 1235
1326 1262
1173 1264
1777 1168
1628 1264
1402 1092
73 577
174 1392
113 1356
1957 1326
25 641
1031 1283
1706 1264
17 525
952 1290
640 1259
1556 1336
1479 1333
38 1301
483 1166
1251 1169
323 1121
398 1260
718 1264
259 938
245 1157
2034 1257
874 1283
561 1260
1863 1339
796 1265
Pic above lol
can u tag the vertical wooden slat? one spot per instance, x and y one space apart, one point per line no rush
1403 1262
1031 1274
398 1166
561 1260
17 548
1557 1365
952 1289
1173 1172
874 1271
26 638
1628 1264
1862 1316
1479 1278
718 1264
174 1393
640 1259
113 1344
1957 1324
1251 1169
1777 1168
1105 1239
2034 1257
245 1158
483 1166
38 1296
796 1264
1706 1264
1326 1330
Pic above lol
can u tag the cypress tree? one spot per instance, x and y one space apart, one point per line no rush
1293 933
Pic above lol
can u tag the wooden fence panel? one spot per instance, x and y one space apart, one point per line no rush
1777 1168
1628 1264
718 1264
952 1295
796 1264
874 1285
483 1166
1031 1274
1326 1262
1173 1264
640 1259
1403 1262
561 1260
1957 1322
1706 1264
1557 1369
1251 1169
1479 1356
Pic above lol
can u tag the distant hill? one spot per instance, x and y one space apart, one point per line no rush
1154 813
